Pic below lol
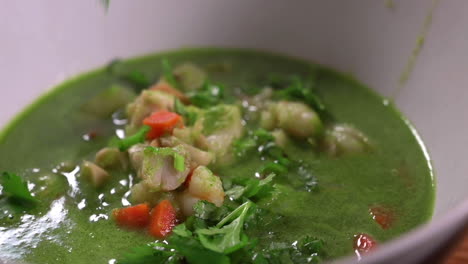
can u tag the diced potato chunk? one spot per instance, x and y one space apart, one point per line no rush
157 171
281 139
190 76
298 119
111 158
135 154
187 201
344 140
198 156
267 120
93 173
206 186
108 101
141 193
221 126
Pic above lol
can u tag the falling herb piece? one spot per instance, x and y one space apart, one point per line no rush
189 116
167 73
14 187
138 137
106 4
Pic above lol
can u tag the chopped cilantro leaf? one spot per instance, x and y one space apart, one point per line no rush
16 188
226 238
168 75
251 187
295 88
208 211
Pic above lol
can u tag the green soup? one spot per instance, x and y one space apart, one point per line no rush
384 191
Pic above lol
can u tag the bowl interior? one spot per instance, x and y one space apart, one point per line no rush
372 40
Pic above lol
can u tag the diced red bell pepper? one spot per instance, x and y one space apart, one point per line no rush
137 216
161 122
383 216
163 219
363 243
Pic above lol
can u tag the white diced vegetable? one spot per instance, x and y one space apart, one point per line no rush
111 158
344 139
187 201
141 193
159 169
281 139
206 186
94 174
109 101
198 156
189 76
222 125
298 119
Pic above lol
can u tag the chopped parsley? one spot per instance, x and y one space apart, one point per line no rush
179 160
14 187
208 95
138 137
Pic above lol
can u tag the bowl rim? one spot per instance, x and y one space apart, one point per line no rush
433 227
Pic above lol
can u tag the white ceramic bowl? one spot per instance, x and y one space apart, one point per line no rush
45 42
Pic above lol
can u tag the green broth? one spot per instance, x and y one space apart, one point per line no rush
73 222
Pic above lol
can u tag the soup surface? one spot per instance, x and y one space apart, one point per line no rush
355 173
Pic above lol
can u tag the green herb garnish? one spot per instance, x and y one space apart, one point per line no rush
15 188
209 95
216 118
226 238
138 137
168 75
179 160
